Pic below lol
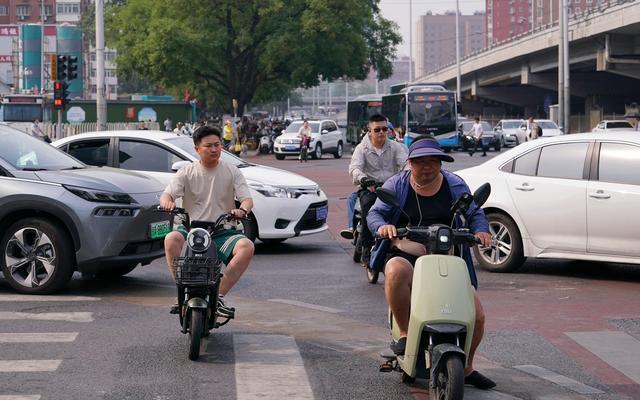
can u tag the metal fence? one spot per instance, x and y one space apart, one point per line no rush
49 128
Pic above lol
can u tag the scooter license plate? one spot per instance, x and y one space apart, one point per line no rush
159 230
321 213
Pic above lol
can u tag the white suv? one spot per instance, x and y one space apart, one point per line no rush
326 137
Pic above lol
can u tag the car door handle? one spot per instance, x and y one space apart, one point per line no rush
525 187
600 195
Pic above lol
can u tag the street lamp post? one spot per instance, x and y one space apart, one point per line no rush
566 66
410 45
458 50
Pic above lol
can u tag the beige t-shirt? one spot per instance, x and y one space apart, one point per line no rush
208 193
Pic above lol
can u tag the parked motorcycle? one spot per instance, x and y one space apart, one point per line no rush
266 144
442 316
198 274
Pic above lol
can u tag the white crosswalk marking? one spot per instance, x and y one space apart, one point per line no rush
32 297
68 316
558 379
618 349
12 397
54 337
263 363
29 365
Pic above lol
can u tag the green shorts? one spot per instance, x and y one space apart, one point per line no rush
224 239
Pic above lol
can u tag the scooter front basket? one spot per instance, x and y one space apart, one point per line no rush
196 271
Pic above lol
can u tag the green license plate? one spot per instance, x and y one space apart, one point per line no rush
159 229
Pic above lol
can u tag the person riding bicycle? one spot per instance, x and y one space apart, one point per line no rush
426 193
375 159
209 188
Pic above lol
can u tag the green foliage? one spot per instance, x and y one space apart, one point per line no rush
250 50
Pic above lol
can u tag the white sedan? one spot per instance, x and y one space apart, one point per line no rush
613 125
572 196
285 204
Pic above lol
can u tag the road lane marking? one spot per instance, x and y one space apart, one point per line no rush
263 363
29 365
558 379
307 305
55 337
35 297
67 317
18 397
618 349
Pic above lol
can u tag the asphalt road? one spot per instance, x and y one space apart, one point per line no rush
309 326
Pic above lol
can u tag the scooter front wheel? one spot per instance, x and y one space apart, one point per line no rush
196 329
372 276
449 384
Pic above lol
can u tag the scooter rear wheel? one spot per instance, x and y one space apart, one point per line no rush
449 383
196 329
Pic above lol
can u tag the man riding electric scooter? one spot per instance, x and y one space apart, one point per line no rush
376 158
425 194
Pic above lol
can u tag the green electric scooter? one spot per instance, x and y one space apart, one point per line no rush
442 317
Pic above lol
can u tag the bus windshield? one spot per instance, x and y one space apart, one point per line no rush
430 109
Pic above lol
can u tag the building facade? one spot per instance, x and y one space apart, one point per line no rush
26 12
435 39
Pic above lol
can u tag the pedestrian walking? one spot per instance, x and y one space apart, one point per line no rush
36 131
477 131
168 124
532 129
227 134
304 133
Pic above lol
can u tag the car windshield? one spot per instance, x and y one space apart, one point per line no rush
618 124
511 124
295 127
547 125
427 109
28 153
186 143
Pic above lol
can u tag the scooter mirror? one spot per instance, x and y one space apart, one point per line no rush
388 197
481 194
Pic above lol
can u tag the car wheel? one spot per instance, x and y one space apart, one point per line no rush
37 256
506 253
338 153
317 153
279 156
249 227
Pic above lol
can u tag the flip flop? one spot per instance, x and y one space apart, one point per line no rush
478 380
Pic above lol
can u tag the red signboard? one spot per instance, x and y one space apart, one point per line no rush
9 31
374 104
131 113
6 58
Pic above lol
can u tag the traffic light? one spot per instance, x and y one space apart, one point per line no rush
61 68
60 95
72 67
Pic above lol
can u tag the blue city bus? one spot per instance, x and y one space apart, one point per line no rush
426 109
358 112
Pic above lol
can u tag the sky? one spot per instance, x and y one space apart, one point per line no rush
398 11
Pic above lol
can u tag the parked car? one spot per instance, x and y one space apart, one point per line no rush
549 128
58 215
571 196
510 129
326 137
613 125
285 204
490 138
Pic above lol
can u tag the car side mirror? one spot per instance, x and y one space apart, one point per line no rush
179 164
324 131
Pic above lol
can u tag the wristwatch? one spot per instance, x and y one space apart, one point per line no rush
246 212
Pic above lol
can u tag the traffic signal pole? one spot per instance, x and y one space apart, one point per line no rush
101 103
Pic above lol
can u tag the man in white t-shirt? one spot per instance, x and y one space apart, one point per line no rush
209 188
477 131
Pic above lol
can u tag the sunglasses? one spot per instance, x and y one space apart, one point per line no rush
382 129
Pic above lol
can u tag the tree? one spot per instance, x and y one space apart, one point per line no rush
250 50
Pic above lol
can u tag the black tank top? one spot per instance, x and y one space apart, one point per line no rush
434 209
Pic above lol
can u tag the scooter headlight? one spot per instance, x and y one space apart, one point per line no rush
199 240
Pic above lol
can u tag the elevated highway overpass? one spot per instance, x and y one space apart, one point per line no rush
521 75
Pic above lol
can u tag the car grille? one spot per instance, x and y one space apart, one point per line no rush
148 246
308 220
290 141
297 192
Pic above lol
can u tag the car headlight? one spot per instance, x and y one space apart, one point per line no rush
100 196
270 190
198 240
278 140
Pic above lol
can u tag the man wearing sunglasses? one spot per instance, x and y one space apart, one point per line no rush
375 159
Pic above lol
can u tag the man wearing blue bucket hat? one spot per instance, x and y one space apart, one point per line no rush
426 193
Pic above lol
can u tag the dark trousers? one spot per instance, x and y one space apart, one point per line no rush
367 198
478 143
